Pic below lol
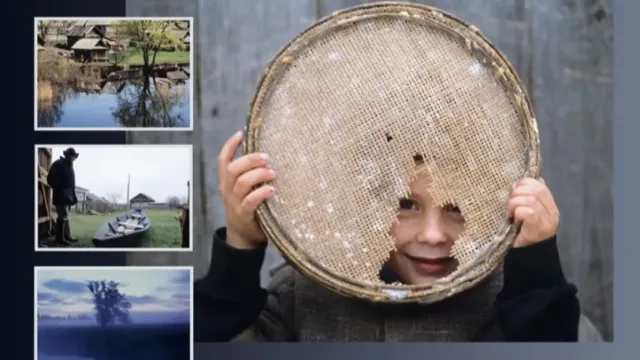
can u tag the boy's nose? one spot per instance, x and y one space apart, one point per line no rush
432 231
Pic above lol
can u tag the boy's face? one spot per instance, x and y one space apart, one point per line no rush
424 235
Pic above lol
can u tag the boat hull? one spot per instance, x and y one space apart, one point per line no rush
107 235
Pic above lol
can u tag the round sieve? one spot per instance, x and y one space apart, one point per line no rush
343 109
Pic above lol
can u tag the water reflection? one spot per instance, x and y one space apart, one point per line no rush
127 98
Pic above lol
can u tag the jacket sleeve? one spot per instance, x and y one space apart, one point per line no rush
537 304
230 305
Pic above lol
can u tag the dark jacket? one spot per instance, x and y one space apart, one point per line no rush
62 179
532 301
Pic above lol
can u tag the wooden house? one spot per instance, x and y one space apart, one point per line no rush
89 40
81 194
91 49
45 195
141 201
83 29
182 32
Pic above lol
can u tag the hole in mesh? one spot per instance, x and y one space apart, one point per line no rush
423 255
422 258
389 137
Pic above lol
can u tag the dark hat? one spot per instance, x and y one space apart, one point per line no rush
70 153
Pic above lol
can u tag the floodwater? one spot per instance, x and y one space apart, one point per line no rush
152 102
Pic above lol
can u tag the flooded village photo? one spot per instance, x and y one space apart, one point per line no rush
113 74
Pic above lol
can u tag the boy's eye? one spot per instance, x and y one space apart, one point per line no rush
451 208
407 204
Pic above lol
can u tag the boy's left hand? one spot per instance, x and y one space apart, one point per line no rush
532 205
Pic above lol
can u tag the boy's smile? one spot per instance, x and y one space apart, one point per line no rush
424 234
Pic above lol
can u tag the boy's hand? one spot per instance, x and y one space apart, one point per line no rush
532 205
236 181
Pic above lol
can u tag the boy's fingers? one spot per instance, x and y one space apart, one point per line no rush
246 163
527 201
524 214
251 202
228 151
528 187
248 180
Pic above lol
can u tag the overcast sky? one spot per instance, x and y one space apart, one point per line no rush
158 171
165 293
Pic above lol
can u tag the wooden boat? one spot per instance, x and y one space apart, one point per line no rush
124 231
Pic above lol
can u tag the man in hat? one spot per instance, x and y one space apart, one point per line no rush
62 180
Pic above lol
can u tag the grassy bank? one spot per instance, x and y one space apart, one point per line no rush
162 57
164 231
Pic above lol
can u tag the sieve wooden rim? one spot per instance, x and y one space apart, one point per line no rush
475 42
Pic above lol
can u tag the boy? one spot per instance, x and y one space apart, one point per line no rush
528 299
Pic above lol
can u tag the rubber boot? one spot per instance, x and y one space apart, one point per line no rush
67 232
60 232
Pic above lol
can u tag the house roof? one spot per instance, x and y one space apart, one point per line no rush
89 44
81 189
79 30
182 24
93 22
179 34
142 198
177 75
93 197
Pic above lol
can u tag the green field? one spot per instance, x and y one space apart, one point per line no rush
162 57
164 231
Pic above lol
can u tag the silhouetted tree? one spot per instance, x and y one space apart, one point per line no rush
109 303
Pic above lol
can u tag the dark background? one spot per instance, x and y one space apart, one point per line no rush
19 136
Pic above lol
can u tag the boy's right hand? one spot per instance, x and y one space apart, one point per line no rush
236 181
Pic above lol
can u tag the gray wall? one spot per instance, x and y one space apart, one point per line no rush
561 48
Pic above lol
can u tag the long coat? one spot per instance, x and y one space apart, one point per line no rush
62 180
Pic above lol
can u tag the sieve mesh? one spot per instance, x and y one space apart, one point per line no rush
343 110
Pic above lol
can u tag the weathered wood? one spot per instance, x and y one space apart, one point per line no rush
200 246
573 96
236 42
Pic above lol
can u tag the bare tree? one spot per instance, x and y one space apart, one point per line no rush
43 28
114 197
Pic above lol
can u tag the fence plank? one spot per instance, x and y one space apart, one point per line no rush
174 9
573 95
